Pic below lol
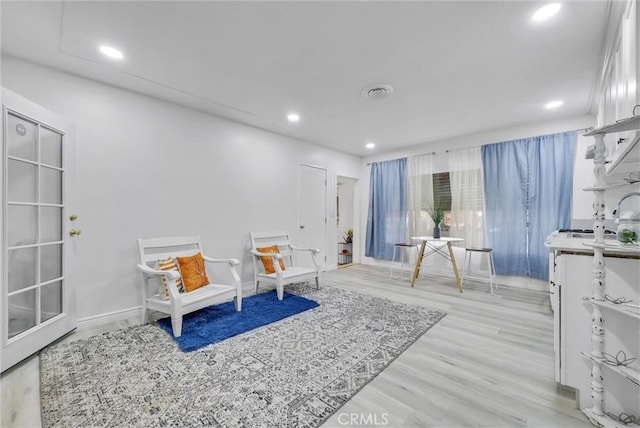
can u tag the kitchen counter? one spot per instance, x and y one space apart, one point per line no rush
584 245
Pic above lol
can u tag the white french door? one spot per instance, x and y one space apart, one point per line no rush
37 171
312 214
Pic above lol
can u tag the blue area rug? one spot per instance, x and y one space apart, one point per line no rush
219 322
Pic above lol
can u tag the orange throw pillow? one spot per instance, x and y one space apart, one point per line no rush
194 275
267 262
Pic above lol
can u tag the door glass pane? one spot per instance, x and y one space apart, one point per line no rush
21 181
21 268
22 221
50 147
50 224
50 262
51 300
50 186
22 312
21 138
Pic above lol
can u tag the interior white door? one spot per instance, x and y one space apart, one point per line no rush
312 212
37 173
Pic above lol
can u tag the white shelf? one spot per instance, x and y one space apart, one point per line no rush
607 186
625 159
631 373
605 421
628 124
621 308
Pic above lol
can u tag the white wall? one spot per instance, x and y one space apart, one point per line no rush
582 177
150 168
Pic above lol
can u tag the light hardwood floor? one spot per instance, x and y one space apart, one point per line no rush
488 363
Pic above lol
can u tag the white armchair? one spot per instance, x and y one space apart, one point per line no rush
180 303
291 274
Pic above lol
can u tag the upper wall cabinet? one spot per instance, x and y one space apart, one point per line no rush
620 93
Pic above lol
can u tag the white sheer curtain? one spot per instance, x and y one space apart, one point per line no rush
465 173
420 189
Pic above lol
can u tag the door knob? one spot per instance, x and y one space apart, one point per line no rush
302 226
75 232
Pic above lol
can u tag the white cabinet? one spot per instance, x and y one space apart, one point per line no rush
625 158
571 274
620 77
556 277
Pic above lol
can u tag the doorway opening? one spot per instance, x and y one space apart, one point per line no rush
346 220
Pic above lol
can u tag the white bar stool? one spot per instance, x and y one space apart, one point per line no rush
405 256
490 266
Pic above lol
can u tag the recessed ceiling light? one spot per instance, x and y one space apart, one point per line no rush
111 52
377 91
293 117
553 104
370 145
546 12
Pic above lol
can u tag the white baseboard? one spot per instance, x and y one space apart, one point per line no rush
98 320
124 314
248 288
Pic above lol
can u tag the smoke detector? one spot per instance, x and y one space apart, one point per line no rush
377 91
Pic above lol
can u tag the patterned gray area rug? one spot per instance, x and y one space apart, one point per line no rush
294 373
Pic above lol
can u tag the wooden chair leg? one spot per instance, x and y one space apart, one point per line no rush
144 316
418 263
176 325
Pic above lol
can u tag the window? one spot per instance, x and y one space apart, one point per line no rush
442 197
429 187
453 181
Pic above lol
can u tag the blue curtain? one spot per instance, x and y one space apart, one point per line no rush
528 194
550 194
505 212
387 219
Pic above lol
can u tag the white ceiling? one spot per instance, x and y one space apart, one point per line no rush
457 67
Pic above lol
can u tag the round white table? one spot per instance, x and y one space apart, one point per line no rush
436 246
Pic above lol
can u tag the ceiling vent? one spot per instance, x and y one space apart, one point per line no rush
377 91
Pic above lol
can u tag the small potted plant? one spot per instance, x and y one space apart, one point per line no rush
628 236
437 215
349 238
